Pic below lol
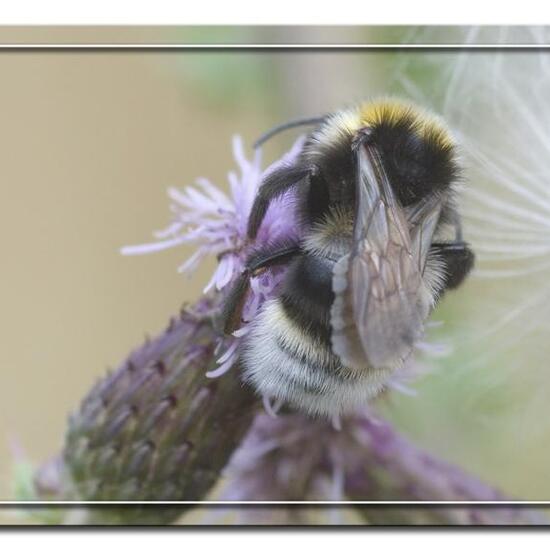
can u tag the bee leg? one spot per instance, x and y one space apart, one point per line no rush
275 185
257 262
271 255
234 304
458 259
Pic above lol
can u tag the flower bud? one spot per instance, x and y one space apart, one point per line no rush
156 429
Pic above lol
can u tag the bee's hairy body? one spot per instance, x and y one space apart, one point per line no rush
287 354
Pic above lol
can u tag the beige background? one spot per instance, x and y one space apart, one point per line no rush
89 143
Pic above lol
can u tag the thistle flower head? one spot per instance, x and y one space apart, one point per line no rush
295 458
216 222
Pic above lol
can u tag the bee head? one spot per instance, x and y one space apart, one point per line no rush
417 150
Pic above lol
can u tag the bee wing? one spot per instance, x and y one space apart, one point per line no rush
378 312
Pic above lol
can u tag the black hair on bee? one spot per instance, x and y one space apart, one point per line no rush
376 187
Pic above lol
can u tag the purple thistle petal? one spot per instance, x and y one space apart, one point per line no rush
150 247
221 370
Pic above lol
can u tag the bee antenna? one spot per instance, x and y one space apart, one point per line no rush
286 126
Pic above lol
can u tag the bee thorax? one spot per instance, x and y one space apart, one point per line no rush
332 236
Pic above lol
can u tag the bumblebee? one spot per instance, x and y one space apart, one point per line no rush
376 189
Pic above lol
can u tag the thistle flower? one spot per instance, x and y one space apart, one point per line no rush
366 460
139 434
216 223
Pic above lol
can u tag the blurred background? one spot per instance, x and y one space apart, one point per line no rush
89 143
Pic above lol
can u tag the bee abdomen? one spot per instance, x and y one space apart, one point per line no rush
283 361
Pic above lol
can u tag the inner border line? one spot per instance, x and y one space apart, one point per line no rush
107 47
500 503
231 46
